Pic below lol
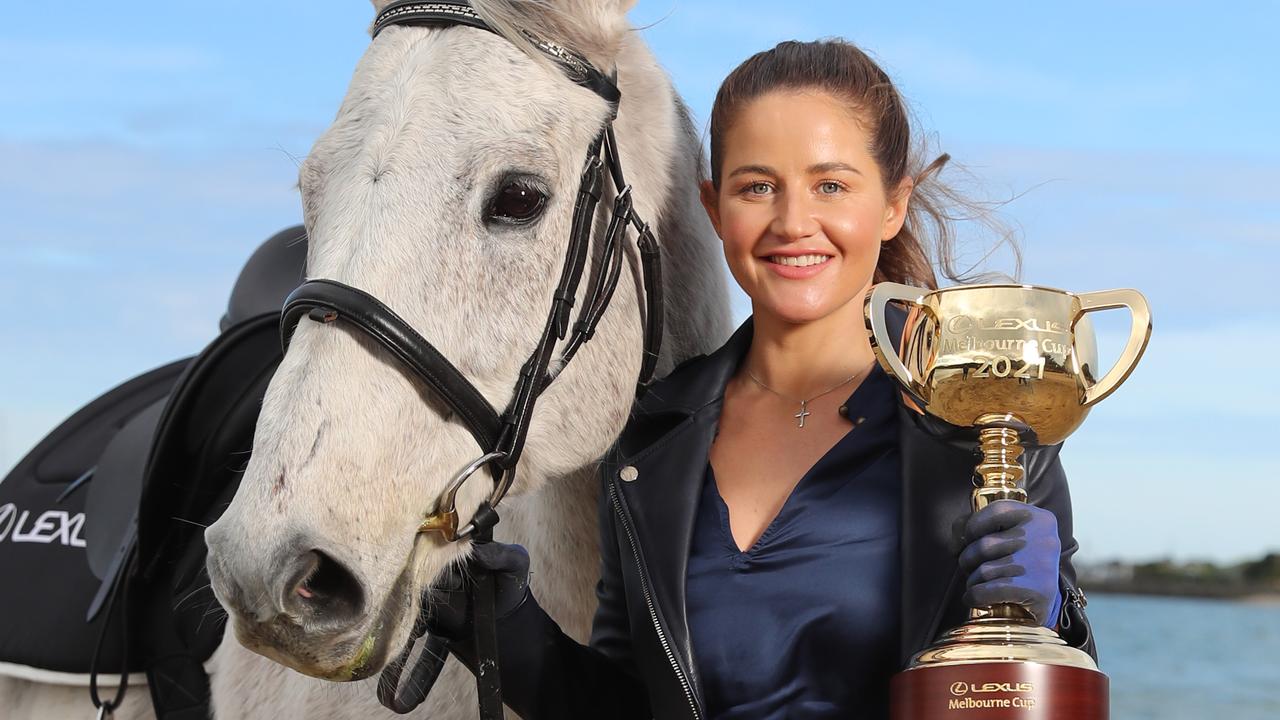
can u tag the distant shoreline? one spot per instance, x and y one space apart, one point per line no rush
1253 581
1263 595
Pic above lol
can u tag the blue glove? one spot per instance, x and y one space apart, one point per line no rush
447 602
1012 556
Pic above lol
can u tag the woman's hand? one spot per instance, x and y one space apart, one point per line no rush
1012 557
447 604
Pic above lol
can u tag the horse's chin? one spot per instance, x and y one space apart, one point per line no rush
344 657
369 658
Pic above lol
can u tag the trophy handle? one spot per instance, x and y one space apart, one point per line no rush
880 296
1139 334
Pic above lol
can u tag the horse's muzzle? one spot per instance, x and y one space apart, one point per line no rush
299 606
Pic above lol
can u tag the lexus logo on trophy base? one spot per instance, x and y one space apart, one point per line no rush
1017 363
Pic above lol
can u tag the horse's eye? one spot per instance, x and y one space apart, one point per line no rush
516 202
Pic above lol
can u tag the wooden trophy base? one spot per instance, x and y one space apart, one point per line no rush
999 691
997 668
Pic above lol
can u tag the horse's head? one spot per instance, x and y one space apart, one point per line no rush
445 188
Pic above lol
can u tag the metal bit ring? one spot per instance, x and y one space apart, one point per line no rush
444 519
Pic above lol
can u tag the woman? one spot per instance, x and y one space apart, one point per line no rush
776 525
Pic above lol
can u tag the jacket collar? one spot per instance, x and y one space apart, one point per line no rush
699 380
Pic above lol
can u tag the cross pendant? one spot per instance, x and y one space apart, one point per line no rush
802 414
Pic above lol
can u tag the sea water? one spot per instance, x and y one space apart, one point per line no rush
1179 658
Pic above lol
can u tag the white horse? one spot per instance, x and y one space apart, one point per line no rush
349 454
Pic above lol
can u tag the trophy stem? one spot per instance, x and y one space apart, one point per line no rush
1001 472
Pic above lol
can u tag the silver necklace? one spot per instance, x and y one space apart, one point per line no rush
804 404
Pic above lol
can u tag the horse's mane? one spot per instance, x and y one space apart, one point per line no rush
594 28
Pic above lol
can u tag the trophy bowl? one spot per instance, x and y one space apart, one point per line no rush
1030 351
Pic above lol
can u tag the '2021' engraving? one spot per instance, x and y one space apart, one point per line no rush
1005 366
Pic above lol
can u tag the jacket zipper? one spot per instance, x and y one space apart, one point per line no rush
648 601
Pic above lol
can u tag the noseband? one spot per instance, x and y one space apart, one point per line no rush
501 437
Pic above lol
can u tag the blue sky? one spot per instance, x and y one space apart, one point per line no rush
143 155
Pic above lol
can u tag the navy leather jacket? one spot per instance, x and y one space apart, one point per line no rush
639 663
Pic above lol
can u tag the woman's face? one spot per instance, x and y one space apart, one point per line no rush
801 207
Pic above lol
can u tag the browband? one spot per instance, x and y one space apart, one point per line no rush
459 12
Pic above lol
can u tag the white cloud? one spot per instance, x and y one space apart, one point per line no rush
44 256
56 57
1156 501
102 176
1206 372
960 71
21 429
1190 175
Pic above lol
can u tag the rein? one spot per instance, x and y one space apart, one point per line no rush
500 436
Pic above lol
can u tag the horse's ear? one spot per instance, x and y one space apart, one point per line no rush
379 4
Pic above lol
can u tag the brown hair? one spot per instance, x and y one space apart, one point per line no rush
840 68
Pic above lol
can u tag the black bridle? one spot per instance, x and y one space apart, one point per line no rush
501 437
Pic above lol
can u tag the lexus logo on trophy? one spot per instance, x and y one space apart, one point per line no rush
1017 363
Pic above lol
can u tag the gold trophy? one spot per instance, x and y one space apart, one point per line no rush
1002 359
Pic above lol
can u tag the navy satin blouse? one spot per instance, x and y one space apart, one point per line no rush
804 624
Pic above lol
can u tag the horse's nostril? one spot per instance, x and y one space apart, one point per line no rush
324 589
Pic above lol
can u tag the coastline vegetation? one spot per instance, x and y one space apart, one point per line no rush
1252 579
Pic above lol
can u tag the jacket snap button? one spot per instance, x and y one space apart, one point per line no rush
629 473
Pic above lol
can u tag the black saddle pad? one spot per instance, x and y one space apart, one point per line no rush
46 529
121 493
